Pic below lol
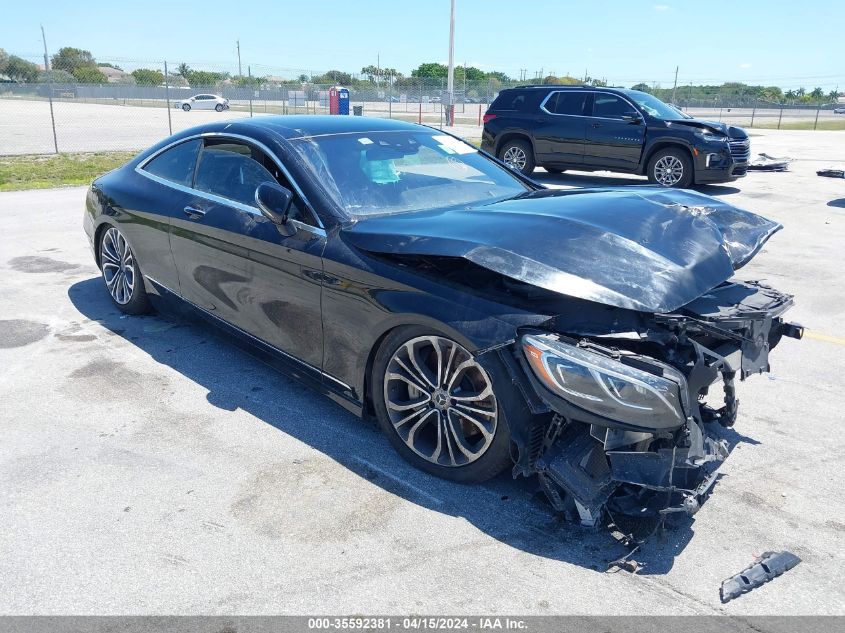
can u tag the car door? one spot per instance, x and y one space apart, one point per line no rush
561 128
203 102
163 194
611 141
237 265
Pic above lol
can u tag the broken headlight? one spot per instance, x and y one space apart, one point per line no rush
606 387
711 137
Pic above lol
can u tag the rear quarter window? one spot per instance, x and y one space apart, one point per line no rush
516 100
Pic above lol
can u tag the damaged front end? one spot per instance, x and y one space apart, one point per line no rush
620 421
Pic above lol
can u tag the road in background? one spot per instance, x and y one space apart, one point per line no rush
109 125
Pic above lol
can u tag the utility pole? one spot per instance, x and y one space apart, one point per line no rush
251 89
238 44
450 77
674 87
50 88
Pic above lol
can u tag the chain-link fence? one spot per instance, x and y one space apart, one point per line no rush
128 114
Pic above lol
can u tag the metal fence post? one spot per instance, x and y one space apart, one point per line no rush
249 72
818 109
780 115
753 112
50 89
167 97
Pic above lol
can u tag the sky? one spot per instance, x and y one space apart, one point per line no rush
771 42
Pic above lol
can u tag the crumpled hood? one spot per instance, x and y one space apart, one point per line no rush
642 248
713 126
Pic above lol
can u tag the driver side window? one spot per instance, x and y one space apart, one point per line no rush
233 170
610 106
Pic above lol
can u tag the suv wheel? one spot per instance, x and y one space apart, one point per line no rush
671 168
517 155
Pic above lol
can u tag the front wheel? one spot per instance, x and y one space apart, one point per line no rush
186 107
517 155
121 274
438 407
671 168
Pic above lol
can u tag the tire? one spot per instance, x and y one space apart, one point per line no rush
554 170
121 273
671 167
437 420
518 155
186 107
219 107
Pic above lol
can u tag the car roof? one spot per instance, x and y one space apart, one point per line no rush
555 87
304 125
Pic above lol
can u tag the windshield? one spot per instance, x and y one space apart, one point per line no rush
369 173
655 107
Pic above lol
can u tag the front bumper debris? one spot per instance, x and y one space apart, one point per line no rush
770 565
587 462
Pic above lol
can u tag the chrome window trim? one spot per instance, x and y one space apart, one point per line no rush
226 201
255 338
585 116
139 168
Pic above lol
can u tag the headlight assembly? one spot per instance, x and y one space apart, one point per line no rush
711 137
607 387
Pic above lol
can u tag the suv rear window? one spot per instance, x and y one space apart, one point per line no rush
519 100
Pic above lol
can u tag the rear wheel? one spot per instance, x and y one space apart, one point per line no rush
438 406
517 155
671 168
186 107
121 273
219 107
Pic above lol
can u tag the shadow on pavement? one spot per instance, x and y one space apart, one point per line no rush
606 179
511 511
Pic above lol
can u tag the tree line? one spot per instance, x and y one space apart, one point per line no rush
75 65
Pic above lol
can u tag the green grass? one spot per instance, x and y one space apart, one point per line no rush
802 125
56 170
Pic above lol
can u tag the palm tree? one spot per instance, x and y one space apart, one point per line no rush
791 95
817 94
183 70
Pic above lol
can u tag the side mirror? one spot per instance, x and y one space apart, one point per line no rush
274 202
632 117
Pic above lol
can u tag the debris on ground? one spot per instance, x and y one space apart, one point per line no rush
765 568
764 162
832 173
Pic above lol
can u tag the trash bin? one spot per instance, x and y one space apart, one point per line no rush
358 110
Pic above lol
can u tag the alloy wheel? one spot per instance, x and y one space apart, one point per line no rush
118 266
668 170
515 158
440 401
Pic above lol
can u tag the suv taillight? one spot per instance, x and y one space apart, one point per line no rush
488 117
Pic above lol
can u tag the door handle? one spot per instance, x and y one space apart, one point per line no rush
193 213
596 124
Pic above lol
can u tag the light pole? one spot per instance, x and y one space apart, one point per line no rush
450 77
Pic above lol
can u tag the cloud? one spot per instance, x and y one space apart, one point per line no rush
745 65
662 7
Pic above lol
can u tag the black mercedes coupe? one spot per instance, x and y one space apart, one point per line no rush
484 320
